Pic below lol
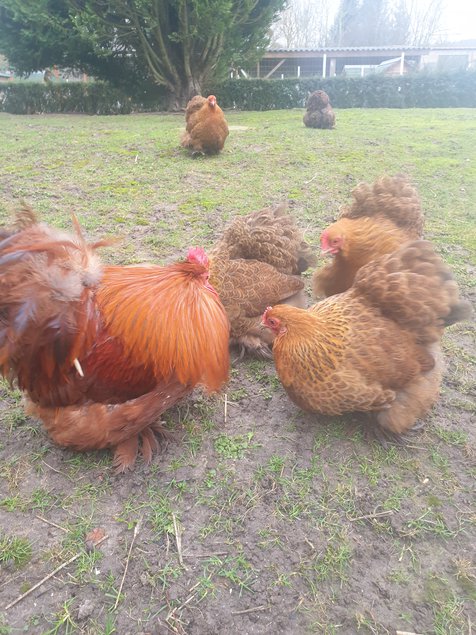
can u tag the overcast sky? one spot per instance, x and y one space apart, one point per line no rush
459 19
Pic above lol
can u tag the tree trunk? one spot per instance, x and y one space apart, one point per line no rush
179 98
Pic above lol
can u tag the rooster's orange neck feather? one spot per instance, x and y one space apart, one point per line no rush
168 321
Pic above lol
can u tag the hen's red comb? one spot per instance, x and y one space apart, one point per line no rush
265 314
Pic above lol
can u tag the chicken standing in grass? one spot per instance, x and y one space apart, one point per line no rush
256 263
319 113
102 352
381 219
206 128
375 347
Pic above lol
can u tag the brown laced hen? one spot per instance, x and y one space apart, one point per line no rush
256 263
375 347
319 113
382 217
206 128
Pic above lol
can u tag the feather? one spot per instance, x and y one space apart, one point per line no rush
164 316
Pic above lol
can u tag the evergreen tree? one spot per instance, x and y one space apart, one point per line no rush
179 44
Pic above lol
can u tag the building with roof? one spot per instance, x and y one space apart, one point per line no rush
331 61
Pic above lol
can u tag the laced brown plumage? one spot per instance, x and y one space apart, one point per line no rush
382 217
375 347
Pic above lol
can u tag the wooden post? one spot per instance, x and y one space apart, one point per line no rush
402 63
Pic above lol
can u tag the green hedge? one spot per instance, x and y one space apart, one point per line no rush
94 98
375 91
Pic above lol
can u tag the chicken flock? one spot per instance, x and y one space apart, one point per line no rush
100 352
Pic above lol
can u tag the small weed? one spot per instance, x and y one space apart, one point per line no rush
269 539
369 624
399 576
15 550
42 499
86 564
334 562
14 418
452 437
233 447
429 522
194 437
238 395
160 513
14 503
449 618
441 462
63 621
399 494
369 469
205 585
466 576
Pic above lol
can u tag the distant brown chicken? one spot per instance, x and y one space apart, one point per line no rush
257 263
375 347
206 128
319 113
382 217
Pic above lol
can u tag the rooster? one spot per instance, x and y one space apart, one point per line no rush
101 352
383 217
256 263
206 128
375 347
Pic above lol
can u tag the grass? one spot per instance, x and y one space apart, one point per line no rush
268 518
15 550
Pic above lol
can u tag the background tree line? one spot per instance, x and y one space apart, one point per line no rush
318 23
181 45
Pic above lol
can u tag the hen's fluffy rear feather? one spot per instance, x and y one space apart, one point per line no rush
270 235
393 198
256 263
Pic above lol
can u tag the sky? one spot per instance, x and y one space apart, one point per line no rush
459 19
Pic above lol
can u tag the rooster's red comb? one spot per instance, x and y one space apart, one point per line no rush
197 255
